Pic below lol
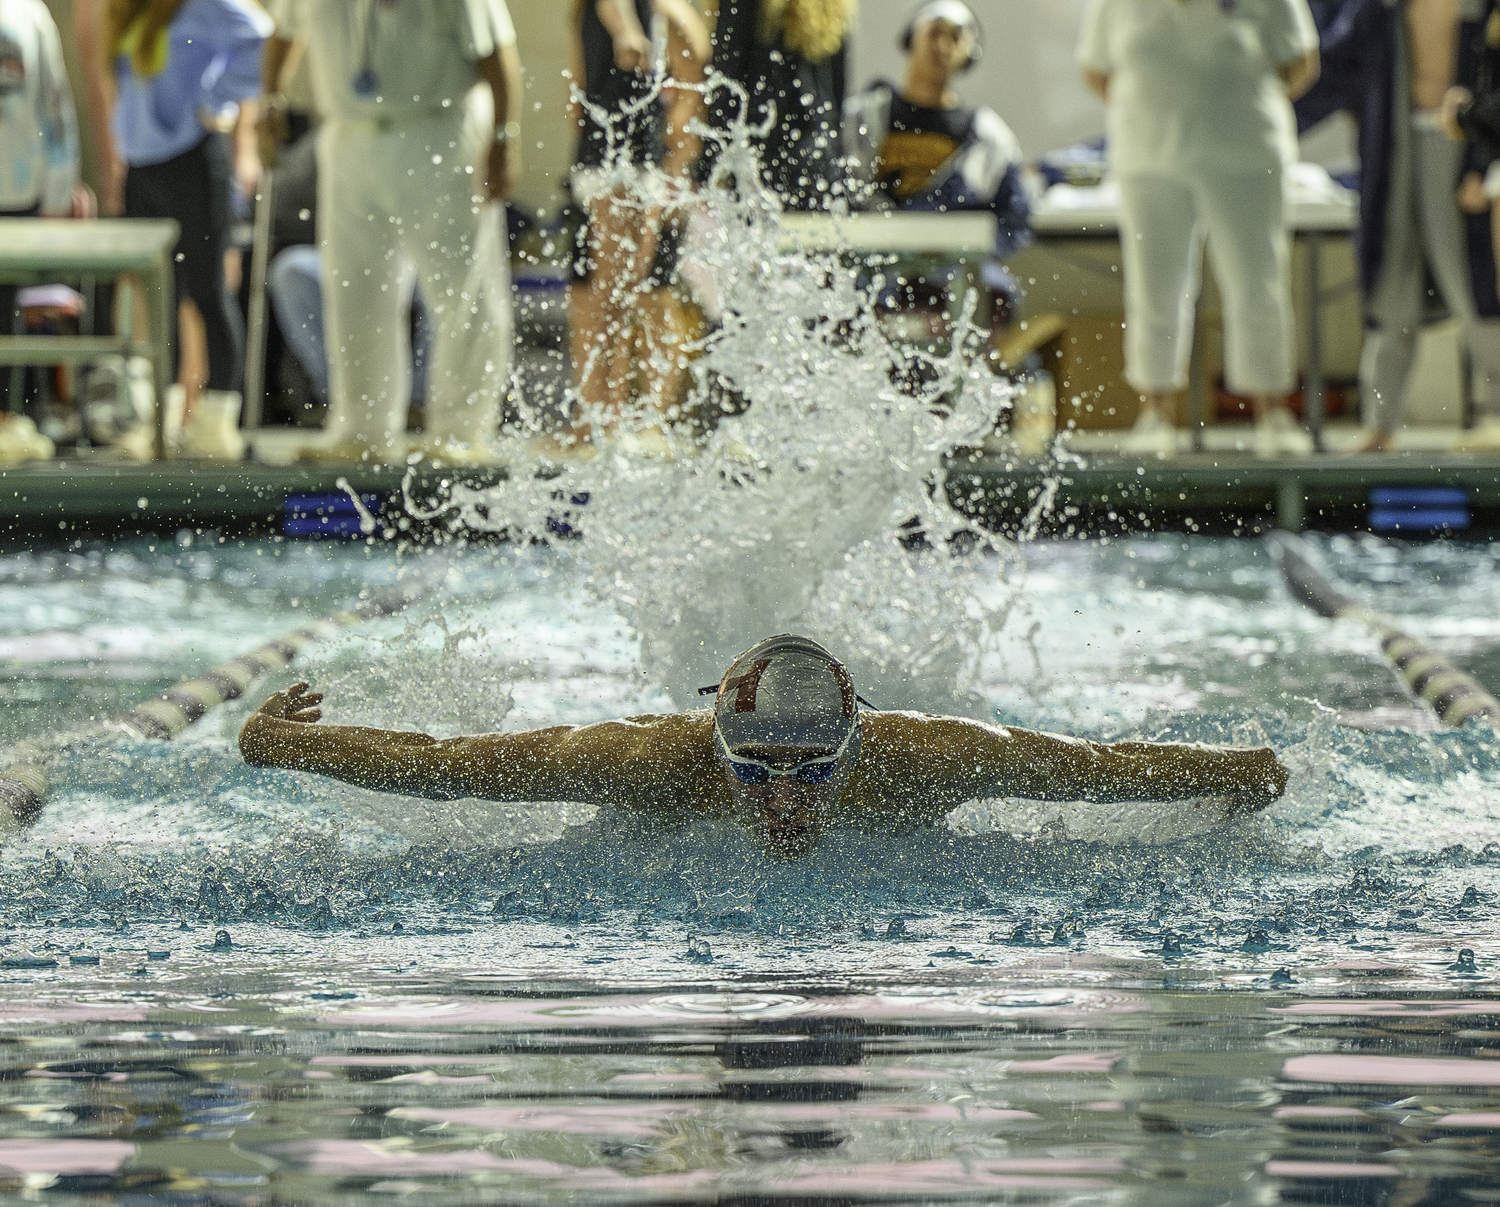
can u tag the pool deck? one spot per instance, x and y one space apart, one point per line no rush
1217 491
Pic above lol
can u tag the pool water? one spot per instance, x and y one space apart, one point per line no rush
220 984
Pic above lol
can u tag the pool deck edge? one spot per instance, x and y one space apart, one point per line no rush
76 496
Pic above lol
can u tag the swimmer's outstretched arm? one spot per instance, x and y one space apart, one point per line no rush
948 760
651 762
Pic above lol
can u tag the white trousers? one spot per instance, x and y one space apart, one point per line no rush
396 206
1164 220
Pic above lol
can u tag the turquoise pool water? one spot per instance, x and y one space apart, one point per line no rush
474 1003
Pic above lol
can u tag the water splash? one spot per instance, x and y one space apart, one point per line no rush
818 447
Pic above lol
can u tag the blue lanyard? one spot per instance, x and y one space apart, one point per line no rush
366 83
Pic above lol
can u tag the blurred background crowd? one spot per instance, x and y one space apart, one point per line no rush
453 212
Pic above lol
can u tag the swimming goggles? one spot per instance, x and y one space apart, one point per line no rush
811 772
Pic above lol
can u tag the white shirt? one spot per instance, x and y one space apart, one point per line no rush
38 126
421 52
1193 83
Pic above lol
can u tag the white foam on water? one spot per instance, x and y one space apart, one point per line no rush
786 516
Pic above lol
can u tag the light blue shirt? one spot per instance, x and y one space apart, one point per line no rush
213 63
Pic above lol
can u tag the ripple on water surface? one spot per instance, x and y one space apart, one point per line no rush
510 1003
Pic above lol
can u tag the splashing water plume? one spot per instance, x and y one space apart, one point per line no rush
786 514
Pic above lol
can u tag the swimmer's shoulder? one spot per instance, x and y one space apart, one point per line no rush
672 738
664 761
898 731
912 765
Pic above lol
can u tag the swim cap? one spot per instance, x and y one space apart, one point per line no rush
787 691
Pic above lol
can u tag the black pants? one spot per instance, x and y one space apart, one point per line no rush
194 189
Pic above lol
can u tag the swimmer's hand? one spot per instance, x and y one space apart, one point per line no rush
294 704
1265 779
259 735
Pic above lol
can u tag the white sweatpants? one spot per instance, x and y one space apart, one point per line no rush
395 206
1164 220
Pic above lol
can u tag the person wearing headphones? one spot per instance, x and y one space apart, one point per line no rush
786 751
919 147
1200 132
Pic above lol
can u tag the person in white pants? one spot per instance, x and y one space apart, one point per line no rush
414 157
1200 129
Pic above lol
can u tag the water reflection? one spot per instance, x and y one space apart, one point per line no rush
905 1095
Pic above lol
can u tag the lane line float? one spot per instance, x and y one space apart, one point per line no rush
1454 695
24 780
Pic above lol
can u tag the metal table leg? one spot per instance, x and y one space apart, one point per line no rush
161 305
1197 373
255 343
1313 387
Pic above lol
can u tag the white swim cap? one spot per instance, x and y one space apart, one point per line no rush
787 691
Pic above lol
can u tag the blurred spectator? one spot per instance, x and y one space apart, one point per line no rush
1394 66
628 326
790 57
183 70
920 148
411 153
1200 132
38 174
295 278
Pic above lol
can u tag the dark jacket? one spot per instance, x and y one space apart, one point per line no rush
798 100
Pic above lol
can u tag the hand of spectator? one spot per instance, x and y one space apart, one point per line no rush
1472 198
632 50
247 170
1454 103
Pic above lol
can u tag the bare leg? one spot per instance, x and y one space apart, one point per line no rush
603 311
667 328
192 371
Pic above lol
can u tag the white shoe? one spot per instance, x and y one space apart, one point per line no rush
350 452
212 431
20 441
1280 435
1152 436
174 402
1483 437
457 454
558 448
652 443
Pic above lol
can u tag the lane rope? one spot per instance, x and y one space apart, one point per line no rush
24 780
1454 695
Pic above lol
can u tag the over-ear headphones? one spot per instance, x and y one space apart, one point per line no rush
955 12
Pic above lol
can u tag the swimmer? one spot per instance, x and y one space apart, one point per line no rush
786 750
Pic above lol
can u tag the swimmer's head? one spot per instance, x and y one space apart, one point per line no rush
787 732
